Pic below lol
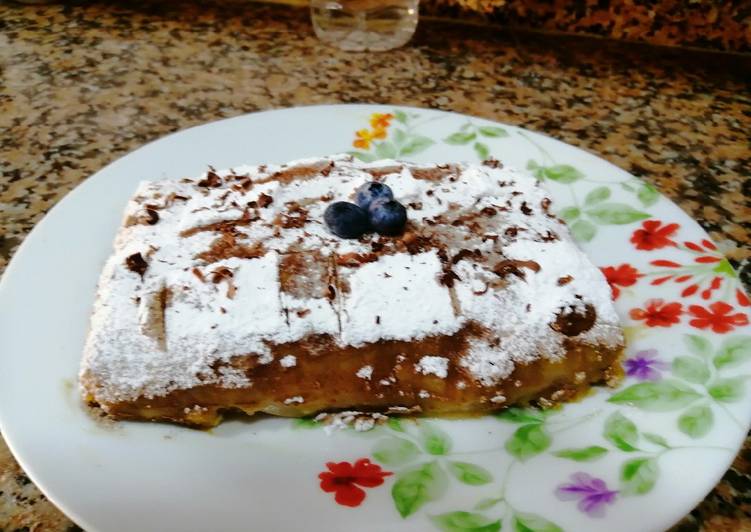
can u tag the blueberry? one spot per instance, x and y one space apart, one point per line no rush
369 192
346 220
387 217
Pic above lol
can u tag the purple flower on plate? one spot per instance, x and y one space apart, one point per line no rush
592 493
645 366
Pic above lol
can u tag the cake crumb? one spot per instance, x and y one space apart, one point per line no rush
359 421
294 400
365 372
558 395
545 403
195 408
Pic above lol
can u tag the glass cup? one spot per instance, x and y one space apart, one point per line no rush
364 25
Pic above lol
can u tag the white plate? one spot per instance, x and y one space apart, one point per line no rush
637 458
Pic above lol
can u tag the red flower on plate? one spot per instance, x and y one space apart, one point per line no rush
709 272
623 275
654 235
658 313
742 298
345 480
718 317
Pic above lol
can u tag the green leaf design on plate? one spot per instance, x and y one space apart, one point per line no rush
648 195
661 396
415 145
725 268
434 440
626 186
537 170
569 214
396 424
465 522
385 150
528 441
698 344
638 476
692 369
460 138
615 214
395 451
733 351
400 136
400 116
482 150
597 195
484 504
697 421
491 131
305 423
583 230
621 432
522 415
363 156
524 522
471 474
417 486
583 454
656 439
562 173
727 390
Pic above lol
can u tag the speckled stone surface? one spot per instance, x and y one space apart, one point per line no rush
84 84
719 24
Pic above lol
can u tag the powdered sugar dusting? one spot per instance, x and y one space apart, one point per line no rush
212 289
417 306
432 365
288 361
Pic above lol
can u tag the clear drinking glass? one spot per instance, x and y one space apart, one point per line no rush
364 25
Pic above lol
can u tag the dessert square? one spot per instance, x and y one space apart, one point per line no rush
230 292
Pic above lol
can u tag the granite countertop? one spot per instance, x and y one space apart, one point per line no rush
85 83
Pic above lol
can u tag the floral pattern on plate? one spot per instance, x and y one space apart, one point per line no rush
689 385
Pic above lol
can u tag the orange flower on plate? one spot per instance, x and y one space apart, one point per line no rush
379 133
363 140
380 120
366 136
